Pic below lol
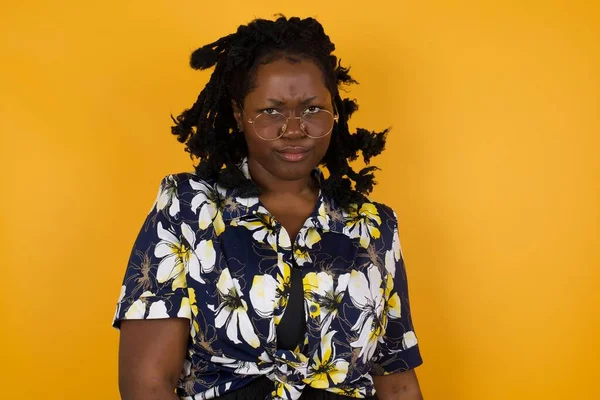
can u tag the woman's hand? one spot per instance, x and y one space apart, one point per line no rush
151 354
398 386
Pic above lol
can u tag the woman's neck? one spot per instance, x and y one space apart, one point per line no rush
270 185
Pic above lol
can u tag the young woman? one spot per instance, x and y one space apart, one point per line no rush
260 276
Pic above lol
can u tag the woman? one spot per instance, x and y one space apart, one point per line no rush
257 276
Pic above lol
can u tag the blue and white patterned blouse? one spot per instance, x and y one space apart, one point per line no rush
224 263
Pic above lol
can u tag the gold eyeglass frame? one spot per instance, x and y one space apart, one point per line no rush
335 116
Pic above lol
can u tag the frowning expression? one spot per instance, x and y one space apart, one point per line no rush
291 88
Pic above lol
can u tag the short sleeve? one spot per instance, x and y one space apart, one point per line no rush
155 286
399 349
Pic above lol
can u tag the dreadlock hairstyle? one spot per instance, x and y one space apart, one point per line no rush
209 129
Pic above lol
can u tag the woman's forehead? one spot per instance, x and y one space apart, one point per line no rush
284 80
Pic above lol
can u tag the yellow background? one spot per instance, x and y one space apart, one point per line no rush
492 165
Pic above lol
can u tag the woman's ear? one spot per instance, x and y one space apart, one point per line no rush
237 114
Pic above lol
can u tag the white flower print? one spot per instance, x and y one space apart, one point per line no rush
307 238
269 295
205 251
390 262
243 367
323 215
265 229
289 374
119 304
158 310
185 309
213 392
367 295
301 255
232 311
322 219
234 289
178 256
210 201
396 245
137 310
235 205
322 298
263 296
167 196
363 223
409 340
326 367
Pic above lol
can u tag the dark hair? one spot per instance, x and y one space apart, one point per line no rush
209 129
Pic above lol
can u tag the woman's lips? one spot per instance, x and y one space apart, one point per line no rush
294 153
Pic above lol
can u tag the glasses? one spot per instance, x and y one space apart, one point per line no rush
315 122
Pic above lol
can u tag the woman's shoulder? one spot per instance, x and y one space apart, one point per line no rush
182 192
379 213
388 220
385 211
182 184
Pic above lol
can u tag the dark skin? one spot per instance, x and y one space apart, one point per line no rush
151 352
287 190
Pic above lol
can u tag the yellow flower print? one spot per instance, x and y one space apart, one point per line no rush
189 310
269 295
322 219
177 255
391 305
323 298
185 310
265 229
363 223
310 282
192 302
353 392
307 238
137 310
325 366
301 255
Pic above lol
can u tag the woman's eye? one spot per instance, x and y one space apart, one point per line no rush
270 111
312 110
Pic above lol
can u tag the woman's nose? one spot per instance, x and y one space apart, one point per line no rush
294 128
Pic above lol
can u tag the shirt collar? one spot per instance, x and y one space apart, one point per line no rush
326 216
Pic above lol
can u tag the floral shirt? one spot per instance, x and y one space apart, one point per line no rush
224 263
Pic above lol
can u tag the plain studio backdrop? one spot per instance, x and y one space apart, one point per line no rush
492 165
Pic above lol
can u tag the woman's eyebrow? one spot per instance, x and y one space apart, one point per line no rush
308 100
279 103
275 102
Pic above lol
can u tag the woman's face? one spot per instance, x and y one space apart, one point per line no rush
289 88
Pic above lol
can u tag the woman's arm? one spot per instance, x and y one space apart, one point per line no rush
151 355
398 386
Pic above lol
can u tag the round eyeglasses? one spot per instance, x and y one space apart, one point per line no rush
315 122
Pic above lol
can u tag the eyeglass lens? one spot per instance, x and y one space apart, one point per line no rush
272 126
